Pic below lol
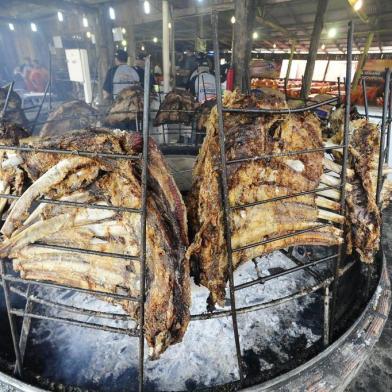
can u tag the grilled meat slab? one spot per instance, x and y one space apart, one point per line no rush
14 113
69 116
104 181
126 108
178 107
254 181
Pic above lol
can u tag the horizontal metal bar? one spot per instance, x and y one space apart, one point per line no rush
86 251
265 279
71 309
281 111
71 152
75 204
264 305
282 237
14 279
84 324
256 203
344 269
284 154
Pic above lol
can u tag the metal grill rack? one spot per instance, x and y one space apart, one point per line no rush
12 284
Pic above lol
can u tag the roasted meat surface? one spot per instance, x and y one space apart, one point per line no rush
14 113
68 117
255 181
363 214
178 107
12 176
126 108
104 181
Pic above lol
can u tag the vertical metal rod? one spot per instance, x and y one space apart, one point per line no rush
389 128
382 136
40 107
225 202
364 92
6 288
143 218
346 142
50 80
7 99
381 161
26 324
326 316
339 95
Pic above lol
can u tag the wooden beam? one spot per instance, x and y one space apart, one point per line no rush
242 48
322 6
362 60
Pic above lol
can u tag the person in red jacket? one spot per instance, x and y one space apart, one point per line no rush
38 77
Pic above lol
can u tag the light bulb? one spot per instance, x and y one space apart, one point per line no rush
85 21
255 35
147 7
112 13
332 32
11 26
33 27
60 16
358 5
232 20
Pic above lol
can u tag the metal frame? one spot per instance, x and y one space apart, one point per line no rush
19 339
11 284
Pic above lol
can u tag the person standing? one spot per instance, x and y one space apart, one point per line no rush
39 77
120 76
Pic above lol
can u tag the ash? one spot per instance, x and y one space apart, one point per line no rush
101 360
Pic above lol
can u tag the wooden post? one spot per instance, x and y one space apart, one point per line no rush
292 50
314 44
242 46
362 60
104 47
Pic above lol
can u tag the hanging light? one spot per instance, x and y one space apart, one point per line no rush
85 21
143 48
112 13
358 5
60 16
332 32
255 35
33 27
88 34
169 25
11 26
124 42
147 7
274 46
232 20
155 40
123 30
323 47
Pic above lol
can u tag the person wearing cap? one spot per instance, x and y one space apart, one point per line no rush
202 82
120 76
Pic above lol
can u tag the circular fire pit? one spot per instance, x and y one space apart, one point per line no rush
282 339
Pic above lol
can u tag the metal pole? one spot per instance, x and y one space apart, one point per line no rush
6 288
165 46
40 108
365 98
346 142
326 316
50 80
286 80
339 95
381 159
7 99
387 154
143 218
225 201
